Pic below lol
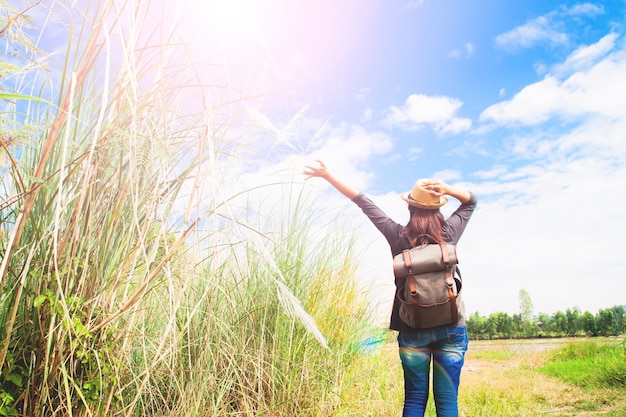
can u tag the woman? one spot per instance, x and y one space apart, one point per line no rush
445 346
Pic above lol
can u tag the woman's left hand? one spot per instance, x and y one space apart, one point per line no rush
436 187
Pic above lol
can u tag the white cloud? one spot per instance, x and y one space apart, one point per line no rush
540 68
354 143
533 104
466 52
348 150
585 56
597 90
448 175
492 173
585 9
455 54
367 115
536 31
551 29
439 112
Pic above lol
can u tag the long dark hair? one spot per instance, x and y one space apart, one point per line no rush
424 226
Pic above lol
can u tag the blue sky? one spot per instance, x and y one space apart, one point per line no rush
522 102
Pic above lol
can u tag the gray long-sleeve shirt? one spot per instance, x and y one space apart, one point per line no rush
393 232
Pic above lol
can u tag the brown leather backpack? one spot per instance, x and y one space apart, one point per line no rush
431 295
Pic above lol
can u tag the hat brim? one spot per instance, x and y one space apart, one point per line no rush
442 201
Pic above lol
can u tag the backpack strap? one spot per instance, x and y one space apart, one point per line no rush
409 264
449 282
410 280
453 307
444 254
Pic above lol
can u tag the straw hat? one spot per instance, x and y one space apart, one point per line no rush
422 198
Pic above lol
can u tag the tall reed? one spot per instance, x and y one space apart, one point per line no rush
131 282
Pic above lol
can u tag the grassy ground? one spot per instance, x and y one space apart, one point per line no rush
499 379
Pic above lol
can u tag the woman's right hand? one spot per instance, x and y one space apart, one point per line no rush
319 171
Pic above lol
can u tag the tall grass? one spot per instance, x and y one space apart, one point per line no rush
131 281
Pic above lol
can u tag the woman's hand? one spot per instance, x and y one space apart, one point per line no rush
439 188
321 172
311 171
436 187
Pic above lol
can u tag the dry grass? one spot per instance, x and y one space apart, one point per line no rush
373 385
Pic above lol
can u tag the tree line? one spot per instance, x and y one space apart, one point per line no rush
572 322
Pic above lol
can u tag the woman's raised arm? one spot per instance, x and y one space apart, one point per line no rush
322 172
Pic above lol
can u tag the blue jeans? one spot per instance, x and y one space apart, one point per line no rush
447 347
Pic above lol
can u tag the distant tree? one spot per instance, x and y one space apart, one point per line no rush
588 323
573 321
503 325
478 327
620 317
560 323
610 321
546 323
525 306
607 322
518 325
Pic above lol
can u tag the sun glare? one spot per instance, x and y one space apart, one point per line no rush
234 29
232 17
287 45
